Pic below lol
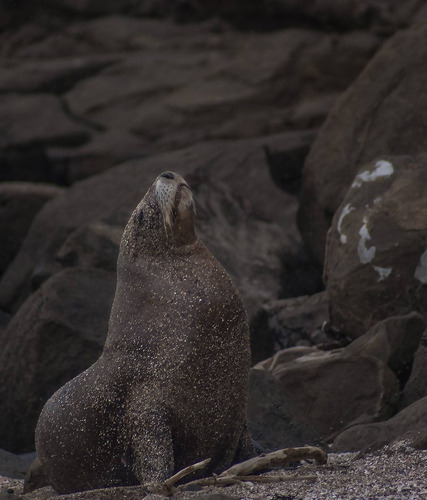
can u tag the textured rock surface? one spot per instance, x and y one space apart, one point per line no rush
85 86
12 465
383 112
124 87
272 422
410 422
327 391
84 226
376 248
259 14
384 16
57 332
395 472
298 321
394 341
416 386
19 204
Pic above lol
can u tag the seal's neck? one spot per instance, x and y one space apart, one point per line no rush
148 233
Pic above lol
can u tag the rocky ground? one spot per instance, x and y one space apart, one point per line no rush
397 472
301 128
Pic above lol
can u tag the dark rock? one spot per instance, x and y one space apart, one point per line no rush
298 321
219 86
375 265
394 341
91 7
416 387
19 204
410 420
233 206
12 465
286 164
105 150
30 123
37 119
127 87
261 338
57 333
4 319
344 14
312 111
256 15
381 113
92 245
301 275
321 392
35 478
271 418
53 75
59 218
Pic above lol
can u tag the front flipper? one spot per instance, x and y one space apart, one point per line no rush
151 444
245 448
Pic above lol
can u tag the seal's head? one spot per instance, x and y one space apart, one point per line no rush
174 197
164 218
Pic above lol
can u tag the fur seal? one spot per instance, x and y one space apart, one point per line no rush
170 387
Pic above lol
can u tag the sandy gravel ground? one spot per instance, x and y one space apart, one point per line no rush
395 472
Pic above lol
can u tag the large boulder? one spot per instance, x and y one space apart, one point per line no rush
298 321
375 265
384 17
342 14
19 204
12 465
320 393
394 341
272 422
416 386
33 123
246 221
383 112
133 87
57 333
410 423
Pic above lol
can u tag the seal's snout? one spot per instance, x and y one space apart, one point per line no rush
168 175
173 200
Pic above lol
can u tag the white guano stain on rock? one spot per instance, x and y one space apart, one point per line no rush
384 272
365 254
421 269
383 168
345 211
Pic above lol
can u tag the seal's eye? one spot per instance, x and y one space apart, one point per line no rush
167 175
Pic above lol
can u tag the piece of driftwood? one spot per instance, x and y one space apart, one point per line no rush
229 480
242 472
167 488
276 458
184 472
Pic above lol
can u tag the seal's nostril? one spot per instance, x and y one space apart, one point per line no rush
167 175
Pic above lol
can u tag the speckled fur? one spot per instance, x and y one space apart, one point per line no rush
170 387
